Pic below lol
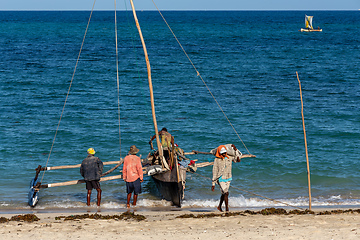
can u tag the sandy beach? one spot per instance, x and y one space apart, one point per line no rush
168 224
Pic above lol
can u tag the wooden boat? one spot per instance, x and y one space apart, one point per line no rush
167 175
167 180
310 30
169 186
309 26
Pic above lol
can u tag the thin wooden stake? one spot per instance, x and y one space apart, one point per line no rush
306 151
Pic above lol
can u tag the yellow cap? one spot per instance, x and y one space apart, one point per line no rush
91 151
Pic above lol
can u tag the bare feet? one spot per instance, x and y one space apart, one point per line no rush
219 208
128 205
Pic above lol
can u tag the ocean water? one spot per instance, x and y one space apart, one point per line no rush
248 59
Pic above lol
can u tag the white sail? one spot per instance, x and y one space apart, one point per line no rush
308 21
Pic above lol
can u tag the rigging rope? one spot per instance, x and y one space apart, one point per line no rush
114 168
253 193
121 161
198 74
117 77
67 95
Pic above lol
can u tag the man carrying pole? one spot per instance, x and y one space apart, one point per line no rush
222 175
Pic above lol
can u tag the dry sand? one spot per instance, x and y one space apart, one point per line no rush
164 225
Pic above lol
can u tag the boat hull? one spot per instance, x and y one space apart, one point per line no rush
310 30
168 186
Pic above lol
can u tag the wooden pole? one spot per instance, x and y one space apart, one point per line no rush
175 161
208 153
204 164
75 166
78 182
197 152
306 151
149 80
171 153
74 182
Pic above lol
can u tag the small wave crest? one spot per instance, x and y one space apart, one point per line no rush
234 202
242 202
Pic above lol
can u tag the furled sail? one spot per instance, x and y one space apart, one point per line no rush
308 21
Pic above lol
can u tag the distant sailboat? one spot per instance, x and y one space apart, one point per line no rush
309 26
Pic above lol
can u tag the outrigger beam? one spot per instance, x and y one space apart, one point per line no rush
208 153
73 166
78 182
74 182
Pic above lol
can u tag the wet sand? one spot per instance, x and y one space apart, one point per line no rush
166 224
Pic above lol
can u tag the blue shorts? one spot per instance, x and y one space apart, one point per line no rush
134 187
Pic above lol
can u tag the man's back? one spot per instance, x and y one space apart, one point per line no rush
165 138
132 168
91 168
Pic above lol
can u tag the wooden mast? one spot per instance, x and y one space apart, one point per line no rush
150 82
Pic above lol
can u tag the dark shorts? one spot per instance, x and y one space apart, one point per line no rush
134 187
92 184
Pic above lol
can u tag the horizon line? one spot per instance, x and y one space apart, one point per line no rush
182 10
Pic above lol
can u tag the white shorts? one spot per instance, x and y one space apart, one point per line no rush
224 186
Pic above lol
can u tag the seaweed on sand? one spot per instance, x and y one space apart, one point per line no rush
268 211
124 216
20 218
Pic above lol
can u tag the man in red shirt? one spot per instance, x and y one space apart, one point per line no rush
132 175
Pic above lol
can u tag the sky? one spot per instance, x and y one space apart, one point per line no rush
181 4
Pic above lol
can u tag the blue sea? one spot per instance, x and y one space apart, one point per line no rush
248 60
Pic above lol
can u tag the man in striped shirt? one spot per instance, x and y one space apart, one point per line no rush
222 175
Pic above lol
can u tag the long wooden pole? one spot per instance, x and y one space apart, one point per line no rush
75 166
74 182
60 184
175 161
306 151
149 80
209 153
